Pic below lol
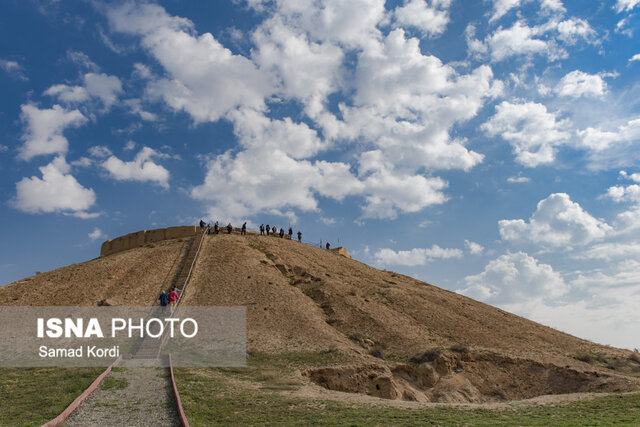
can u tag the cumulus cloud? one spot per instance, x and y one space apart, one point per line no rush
416 256
501 7
532 131
514 278
56 191
598 139
578 83
431 18
44 127
99 86
14 69
190 62
626 5
573 29
474 248
142 168
517 40
265 179
402 103
97 234
635 57
557 222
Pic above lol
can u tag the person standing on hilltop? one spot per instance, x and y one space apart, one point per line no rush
328 246
262 229
290 233
202 224
209 229
216 228
281 232
268 229
244 229
229 228
299 236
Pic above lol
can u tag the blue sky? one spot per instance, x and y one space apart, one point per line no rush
489 148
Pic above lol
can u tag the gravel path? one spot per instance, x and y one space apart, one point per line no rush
129 396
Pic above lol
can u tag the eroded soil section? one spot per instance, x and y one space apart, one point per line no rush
465 378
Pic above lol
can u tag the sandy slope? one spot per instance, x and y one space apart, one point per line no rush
304 299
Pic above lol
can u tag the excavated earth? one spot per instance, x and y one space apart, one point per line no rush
302 299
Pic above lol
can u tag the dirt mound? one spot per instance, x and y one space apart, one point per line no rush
468 378
302 299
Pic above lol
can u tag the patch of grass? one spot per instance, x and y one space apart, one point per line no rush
211 399
459 348
635 357
377 351
34 396
584 357
428 356
111 383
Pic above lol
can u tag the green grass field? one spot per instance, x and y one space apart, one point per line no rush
250 396
33 396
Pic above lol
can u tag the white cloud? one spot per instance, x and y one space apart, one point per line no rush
267 179
626 5
517 40
297 67
532 131
141 168
56 191
3 148
403 103
104 87
416 256
14 69
97 234
135 106
635 57
630 193
612 251
130 145
518 179
83 60
557 222
190 62
474 248
68 94
597 139
99 151
501 7
327 221
514 278
254 130
606 317
572 29
82 162
44 127
101 86
635 177
578 83
432 18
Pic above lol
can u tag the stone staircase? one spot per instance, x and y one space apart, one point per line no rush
149 348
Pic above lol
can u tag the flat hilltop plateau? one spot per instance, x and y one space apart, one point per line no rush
344 326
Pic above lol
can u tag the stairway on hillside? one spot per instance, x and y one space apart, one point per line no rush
149 348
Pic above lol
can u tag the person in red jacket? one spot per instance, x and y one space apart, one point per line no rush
173 297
